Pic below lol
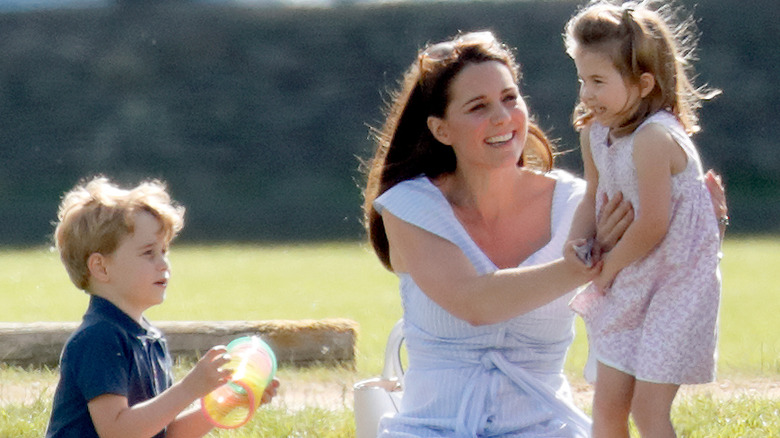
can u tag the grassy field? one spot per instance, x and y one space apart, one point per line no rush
344 280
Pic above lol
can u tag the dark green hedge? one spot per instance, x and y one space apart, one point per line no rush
257 117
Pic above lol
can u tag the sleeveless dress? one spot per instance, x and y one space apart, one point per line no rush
658 321
499 380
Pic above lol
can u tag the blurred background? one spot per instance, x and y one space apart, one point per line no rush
258 113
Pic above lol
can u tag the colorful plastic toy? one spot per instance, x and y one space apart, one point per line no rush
254 365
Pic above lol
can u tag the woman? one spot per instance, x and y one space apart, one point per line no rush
463 204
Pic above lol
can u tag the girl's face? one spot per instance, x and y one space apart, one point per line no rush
486 120
603 89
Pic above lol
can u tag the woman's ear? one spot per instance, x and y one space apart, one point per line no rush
646 84
438 128
96 264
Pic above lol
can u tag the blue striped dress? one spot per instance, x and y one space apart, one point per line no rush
499 380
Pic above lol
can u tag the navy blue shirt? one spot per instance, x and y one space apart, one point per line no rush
109 353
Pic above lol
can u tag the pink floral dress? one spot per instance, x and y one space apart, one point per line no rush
658 321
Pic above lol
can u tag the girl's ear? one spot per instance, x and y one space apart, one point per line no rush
438 128
96 264
646 84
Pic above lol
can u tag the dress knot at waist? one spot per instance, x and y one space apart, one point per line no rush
487 362
473 415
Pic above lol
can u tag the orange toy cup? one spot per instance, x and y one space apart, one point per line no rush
254 365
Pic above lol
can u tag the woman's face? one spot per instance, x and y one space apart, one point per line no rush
486 119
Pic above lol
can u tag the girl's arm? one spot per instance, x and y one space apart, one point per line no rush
446 276
584 221
657 156
112 416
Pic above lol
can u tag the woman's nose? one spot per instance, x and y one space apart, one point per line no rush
500 115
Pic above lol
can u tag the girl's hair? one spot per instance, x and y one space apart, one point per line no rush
642 37
94 217
405 146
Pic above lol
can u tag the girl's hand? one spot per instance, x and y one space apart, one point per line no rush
208 374
614 216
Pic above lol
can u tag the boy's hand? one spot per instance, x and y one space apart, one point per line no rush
208 374
270 392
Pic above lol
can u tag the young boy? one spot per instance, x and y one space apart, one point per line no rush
115 369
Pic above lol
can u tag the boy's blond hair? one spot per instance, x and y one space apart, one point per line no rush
95 215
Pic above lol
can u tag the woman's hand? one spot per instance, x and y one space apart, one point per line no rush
614 216
718 194
575 255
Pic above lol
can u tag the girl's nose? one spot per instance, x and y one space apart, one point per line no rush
584 92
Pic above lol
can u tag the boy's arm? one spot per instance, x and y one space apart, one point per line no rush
653 149
193 423
190 423
112 416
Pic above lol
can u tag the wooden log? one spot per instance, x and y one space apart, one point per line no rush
295 342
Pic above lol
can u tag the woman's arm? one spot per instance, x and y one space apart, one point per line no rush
654 149
446 275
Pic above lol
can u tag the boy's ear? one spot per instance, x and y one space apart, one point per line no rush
96 263
646 84
439 130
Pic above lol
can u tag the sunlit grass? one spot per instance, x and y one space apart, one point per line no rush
344 280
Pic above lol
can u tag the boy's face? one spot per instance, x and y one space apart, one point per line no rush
139 270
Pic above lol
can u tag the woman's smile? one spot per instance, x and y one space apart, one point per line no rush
499 140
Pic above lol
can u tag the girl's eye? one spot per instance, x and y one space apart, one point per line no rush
477 107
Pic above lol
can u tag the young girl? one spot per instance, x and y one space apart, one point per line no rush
652 312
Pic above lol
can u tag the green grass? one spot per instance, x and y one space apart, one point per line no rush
344 280
230 282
